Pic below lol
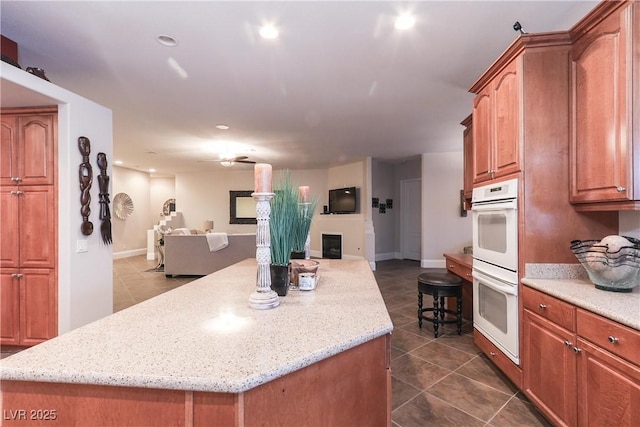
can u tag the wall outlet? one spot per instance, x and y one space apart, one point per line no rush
81 246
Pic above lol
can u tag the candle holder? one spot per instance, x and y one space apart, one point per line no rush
304 207
263 298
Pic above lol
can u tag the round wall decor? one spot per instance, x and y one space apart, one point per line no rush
123 205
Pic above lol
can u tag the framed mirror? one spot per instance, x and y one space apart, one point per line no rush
242 208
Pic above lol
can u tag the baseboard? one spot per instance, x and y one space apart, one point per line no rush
127 254
386 256
433 263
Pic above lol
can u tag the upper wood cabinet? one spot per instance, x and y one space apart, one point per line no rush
28 145
605 108
496 139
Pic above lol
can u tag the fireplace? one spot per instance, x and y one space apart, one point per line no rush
332 246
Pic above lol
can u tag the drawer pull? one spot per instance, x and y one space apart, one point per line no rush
577 350
612 339
452 267
620 189
568 343
542 306
492 353
16 275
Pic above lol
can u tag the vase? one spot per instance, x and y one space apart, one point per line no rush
279 279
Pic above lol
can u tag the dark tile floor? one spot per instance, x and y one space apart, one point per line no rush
444 381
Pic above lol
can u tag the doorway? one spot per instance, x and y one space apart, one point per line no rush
411 221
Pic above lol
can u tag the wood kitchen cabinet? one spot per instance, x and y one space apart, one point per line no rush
549 374
28 213
605 108
579 368
28 143
467 141
28 306
461 265
496 124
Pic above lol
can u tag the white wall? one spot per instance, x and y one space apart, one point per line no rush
630 224
383 188
443 229
85 280
129 236
161 190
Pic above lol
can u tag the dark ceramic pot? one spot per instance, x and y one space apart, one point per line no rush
297 255
279 279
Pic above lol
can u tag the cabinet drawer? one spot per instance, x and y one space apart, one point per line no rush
558 312
614 337
459 269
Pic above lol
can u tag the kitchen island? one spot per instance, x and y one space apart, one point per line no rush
198 355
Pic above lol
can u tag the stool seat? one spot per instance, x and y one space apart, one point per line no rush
441 279
440 285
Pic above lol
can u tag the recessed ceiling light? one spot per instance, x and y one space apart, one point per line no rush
117 162
222 127
152 170
269 32
166 40
404 22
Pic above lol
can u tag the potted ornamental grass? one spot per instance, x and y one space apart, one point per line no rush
284 211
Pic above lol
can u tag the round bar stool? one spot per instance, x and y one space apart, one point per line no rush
440 285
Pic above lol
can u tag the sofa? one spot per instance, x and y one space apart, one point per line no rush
191 255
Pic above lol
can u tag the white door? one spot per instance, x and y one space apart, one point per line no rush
411 224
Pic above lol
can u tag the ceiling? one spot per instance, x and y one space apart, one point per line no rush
340 83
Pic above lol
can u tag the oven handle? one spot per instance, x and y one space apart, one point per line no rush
496 284
495 205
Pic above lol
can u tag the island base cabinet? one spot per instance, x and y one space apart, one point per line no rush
350 388
608 389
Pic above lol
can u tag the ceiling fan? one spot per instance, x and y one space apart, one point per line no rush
231 160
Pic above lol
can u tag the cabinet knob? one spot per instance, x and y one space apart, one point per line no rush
542 306
568 343
468 274
577 350
452 267
492 354
621 189
612 339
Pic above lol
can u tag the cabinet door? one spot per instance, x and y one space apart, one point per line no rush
36 149
37 227
506 119
608 388
38 314
9 307
482 129
601 141
9 156
549 368
9 247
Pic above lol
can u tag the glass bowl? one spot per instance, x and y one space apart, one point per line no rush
613 263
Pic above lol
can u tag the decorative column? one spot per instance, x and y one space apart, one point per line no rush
263 298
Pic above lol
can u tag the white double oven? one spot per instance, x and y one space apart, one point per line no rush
495 265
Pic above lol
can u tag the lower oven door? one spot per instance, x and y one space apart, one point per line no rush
495 313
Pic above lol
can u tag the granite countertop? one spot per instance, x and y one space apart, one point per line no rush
570 283
204 337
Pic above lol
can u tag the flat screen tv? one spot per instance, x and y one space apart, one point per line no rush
342 200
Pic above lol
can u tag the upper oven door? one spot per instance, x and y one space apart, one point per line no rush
495 233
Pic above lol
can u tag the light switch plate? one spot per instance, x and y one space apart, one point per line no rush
81 246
